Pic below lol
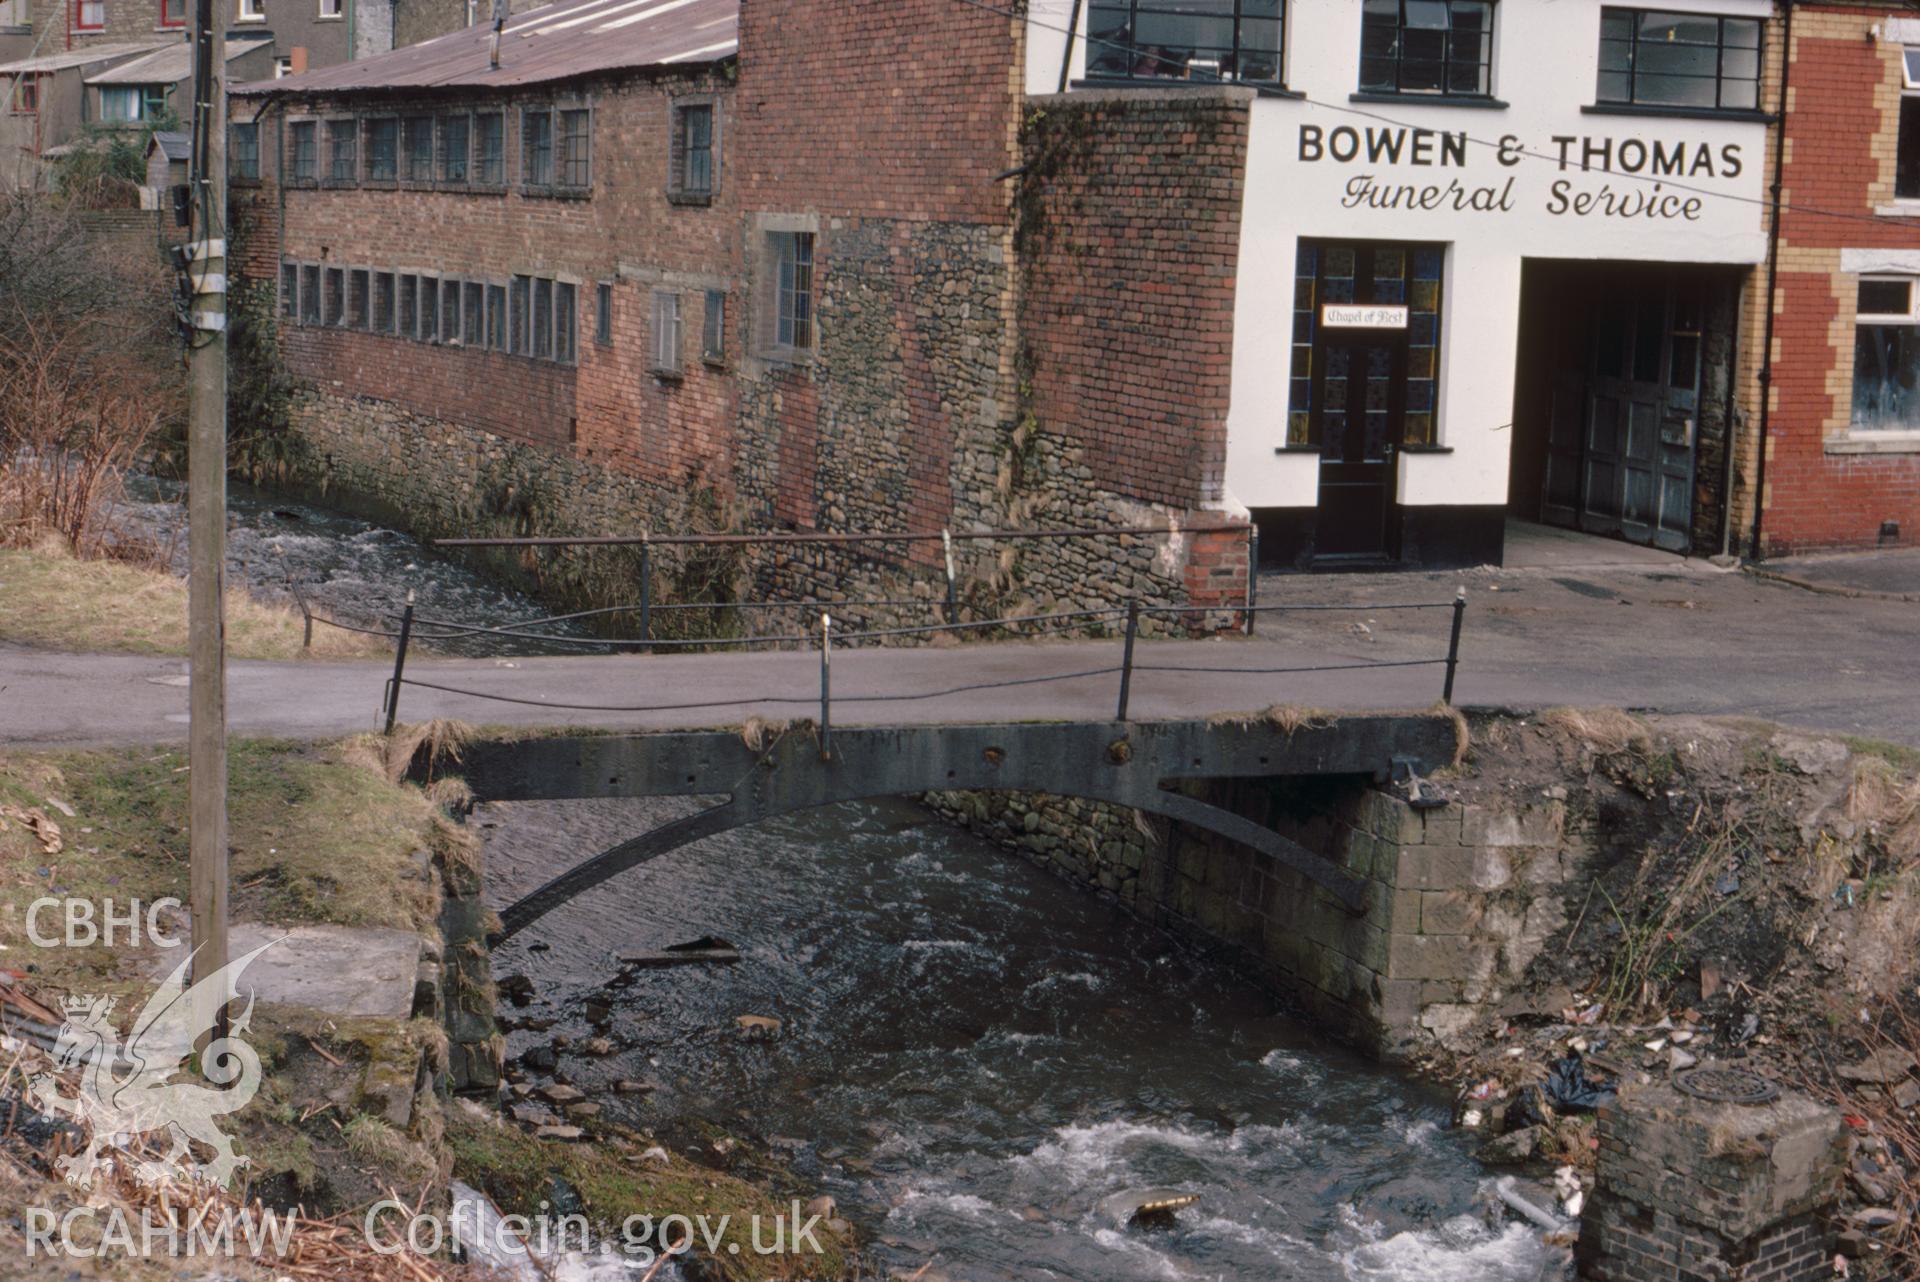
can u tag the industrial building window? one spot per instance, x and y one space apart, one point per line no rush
1697 61
409 306
497 317
330 10
243 150
310 293
519 303
692 153
450 311
120 104
357 305
713 339
536 147
791 295
89 15
566 322
429 309
1427 47
489 150
417 142
26 94
336 296
542 346
1886 356
173 13
455 145
341 159
1183 40
576 149
666 332
473 314
252 11
603 313
383 302
290 291
382 149
303 149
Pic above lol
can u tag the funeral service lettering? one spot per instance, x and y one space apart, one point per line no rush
1600 177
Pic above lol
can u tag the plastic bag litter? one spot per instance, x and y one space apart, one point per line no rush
1568 1088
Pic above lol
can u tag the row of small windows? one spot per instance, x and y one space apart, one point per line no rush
532 316
1648 57
469 149
456 149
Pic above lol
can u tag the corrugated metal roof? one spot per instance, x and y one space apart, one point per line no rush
554 42
170 65
75 58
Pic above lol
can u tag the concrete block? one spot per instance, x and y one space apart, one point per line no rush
1435 868
1449 912
1492 867
1529 826
1429 957
1441 827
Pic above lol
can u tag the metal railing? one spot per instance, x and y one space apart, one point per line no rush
827 637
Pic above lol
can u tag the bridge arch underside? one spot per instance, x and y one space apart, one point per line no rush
767 772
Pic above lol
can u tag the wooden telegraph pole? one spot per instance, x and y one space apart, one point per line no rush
207 507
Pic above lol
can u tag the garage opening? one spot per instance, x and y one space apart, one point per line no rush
1622 399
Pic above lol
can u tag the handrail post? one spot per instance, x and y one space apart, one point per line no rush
399 662
1126 658
1453 644
306 618
1253 574
953 593
826 685
646 592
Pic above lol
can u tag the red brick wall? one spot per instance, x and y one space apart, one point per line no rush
1842 131
878 108
1129 242
610 408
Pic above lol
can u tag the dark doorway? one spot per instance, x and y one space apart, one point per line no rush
1611 399
1365 377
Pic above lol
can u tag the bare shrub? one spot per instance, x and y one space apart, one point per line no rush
88 372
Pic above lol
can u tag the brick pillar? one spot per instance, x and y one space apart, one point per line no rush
1689 1188
1216 569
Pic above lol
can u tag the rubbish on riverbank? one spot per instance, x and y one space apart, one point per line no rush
1147 1209
704 951
758 1026
1505 1189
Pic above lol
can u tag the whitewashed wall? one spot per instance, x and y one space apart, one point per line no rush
1509 194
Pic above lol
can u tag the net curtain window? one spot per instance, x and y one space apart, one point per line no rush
1186 39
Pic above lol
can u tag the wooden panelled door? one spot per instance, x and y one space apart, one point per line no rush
1620 444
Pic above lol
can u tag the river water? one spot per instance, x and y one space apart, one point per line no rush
974 1056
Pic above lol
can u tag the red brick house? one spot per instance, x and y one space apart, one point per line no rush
1842 463
672 262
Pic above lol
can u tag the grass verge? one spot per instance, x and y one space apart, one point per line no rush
615 1180
53 600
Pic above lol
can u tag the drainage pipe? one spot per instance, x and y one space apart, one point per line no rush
1773 283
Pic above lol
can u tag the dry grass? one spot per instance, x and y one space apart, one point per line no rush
53 600
1604 730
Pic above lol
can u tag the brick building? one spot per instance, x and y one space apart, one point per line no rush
1842 466
610 285
64 64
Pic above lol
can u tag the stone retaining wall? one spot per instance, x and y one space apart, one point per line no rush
1462 898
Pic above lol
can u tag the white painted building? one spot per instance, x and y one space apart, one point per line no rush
1491 255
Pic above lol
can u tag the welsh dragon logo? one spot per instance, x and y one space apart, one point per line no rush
127 1091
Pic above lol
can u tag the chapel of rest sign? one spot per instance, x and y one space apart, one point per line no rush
1363 316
